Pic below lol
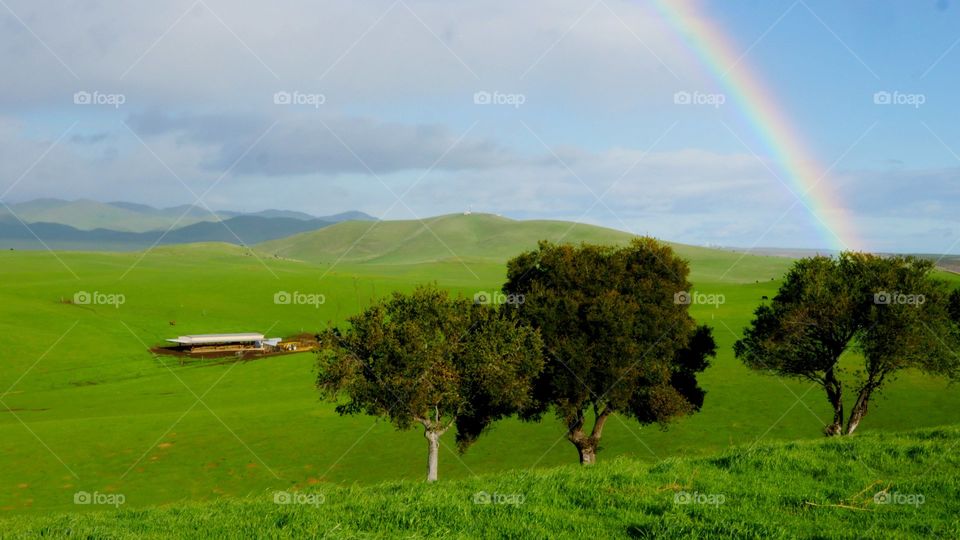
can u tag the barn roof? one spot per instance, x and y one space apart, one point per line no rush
204 339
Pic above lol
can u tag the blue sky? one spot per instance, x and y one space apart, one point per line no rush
587 128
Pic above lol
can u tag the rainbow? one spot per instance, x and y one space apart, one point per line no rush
772 126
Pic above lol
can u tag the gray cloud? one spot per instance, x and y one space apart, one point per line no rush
315 144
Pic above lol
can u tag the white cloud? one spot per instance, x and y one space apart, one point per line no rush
165 53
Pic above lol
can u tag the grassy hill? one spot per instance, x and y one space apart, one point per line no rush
485 238
86 407
875 486
477 236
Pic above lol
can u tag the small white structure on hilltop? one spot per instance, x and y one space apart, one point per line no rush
468 211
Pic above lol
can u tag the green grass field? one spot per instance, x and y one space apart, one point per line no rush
874 486
85 406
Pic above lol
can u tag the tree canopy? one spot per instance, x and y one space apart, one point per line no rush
890 310
616 338
431 359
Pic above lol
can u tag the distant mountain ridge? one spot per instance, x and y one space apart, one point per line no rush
88 215
240 230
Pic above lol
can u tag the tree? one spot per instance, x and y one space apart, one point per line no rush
431 359
617 339
907 326
954 305
889 309
806 329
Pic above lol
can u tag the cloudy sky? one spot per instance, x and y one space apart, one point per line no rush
537 109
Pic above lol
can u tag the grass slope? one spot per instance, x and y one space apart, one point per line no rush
822 489
477 236
84 406
468 240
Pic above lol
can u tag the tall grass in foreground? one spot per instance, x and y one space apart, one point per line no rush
902 485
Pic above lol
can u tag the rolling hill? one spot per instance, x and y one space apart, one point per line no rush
244 229
89 408
485 238
87 215
90 215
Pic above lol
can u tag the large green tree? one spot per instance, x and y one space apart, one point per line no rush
431 359
617 339
890 310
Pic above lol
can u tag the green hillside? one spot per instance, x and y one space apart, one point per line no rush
877 486
484 238
477 236
87 407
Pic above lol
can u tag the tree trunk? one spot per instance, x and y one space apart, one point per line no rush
862 405
859 410
433 444
588 454
834 390
587 445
